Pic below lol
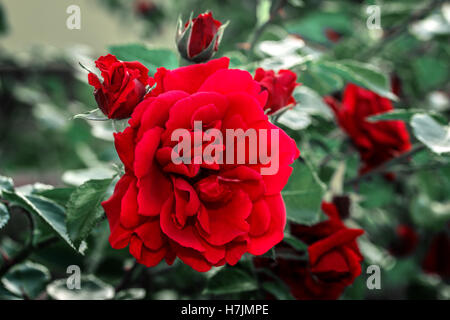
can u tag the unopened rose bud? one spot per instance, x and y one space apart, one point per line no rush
200 37
123 86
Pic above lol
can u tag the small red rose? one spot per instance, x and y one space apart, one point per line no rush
437 258
279 86
405 242
124 85
334 259
377 142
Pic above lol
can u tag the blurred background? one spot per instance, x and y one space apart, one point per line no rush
42 86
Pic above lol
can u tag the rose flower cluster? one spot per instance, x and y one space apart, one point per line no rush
205 214
211 213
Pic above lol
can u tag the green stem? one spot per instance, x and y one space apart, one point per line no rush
382 168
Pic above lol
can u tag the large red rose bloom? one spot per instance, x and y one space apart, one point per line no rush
205 214
377 142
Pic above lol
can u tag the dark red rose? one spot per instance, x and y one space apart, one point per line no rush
200 38
123 86
437 259
405 242
144 7
279 86
342 204
396 84
205 214
332 35
334 259
377 142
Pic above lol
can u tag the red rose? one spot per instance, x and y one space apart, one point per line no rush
123 86
200 38
437 258
205 214
332 35
405 242
279 86
377 142
144 7
334 259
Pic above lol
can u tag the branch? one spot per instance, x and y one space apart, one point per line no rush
382 168
24 254
259 31
128 276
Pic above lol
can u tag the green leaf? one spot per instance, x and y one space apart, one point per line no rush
84 209
263 11
51 213
278 289
27 279
403 114
93 115
295 243
59 195
303 194
4 215
313 25
321 80
431 133
92 288
79 176
6 295
131 294
151 58
6 183
430 72
230 280
361 74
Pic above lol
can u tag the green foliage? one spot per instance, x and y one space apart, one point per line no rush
4 215
431 133
26 280
91 288
278 289
230 280
362 74
303 194
50 212
84 209
151 58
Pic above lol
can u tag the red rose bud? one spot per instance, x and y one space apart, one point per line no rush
377 142
332 35
437 259
334 259
144 7
199 38
405 241
280 87
396 84
123 86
